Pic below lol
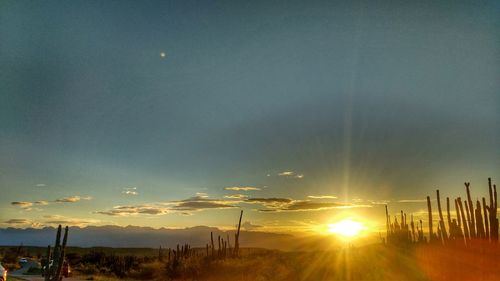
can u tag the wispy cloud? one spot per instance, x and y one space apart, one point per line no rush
193 204
235 196
130 191
412 200
249 226
198 203
22 204
322 197
242 188
28 206
18 221
134 210
72 199
272 200
41 202
291 174
58 219
286 204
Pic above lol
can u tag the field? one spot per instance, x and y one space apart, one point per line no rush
373 262
464 247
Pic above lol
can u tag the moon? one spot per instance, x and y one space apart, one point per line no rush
163 54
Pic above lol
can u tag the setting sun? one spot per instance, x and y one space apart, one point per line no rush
347 228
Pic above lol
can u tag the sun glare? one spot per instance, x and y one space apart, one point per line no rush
346 228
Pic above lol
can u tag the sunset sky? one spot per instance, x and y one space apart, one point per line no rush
177 113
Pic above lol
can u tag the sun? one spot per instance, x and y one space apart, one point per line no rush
346 228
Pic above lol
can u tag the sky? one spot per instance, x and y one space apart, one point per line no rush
179 113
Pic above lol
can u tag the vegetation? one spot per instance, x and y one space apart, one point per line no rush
474 227
53 270
460 247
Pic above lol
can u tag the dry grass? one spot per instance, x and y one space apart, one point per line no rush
375 262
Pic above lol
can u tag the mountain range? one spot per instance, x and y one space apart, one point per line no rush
143 237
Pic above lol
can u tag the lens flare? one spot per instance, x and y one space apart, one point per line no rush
346 228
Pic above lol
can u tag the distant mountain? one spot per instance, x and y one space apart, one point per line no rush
143 237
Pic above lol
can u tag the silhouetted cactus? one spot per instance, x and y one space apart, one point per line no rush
442 228
237 237
429 210
53 271
468 226
470 212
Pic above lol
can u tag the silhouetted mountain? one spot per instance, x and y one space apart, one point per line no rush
133 236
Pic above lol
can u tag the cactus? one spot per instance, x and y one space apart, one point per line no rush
429 209
470 214
492 210
54 272
212 244
479 221
486 219
441 220
471 222
464 221
237 237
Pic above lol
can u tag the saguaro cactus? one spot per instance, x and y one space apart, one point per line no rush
237 237
492 210
441 220
470 213
429 209
53 271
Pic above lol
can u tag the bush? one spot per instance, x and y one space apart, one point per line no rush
87 268
34 271
147 271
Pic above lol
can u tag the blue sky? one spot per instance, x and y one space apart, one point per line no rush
361 101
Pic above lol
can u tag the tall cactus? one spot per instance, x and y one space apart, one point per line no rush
486 220
470 214
237 237
441 220
429 209
464 220
54 272
492 210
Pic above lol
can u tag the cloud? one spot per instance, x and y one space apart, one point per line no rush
27 205
57 219
249 226
193 204
201 194
22 204
18 221
269 200
291 174
322 197
199 203
286 204
40 185
379 202
134 210
72 199
412 200
242 188
236 196
305 205
41 202
130 191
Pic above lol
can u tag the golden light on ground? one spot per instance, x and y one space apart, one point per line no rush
346 228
